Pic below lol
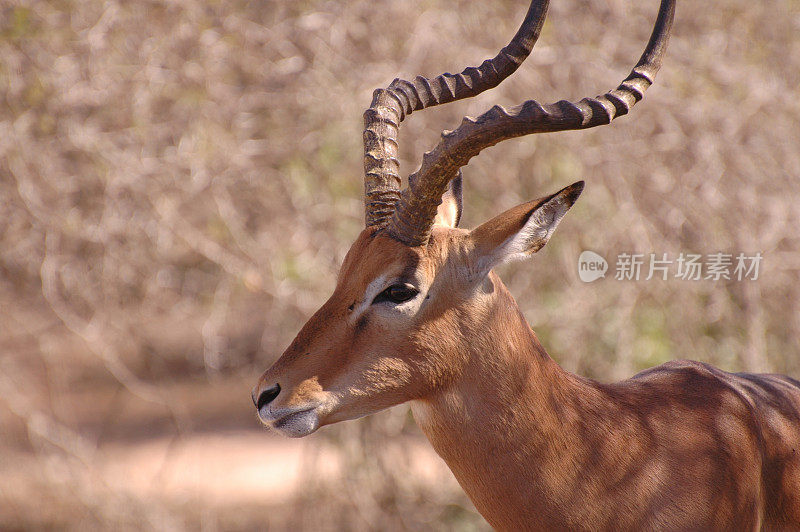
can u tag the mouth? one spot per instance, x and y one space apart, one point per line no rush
292 423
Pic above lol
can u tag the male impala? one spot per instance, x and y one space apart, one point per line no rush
418 315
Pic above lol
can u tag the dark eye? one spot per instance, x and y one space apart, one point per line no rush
397 293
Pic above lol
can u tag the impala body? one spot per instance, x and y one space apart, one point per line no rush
419 316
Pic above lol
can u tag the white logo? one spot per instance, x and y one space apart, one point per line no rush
591 266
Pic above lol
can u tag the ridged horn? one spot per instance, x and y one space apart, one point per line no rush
391 105
416 209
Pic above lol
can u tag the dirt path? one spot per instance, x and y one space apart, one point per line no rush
235 469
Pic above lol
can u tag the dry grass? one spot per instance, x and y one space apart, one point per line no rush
180 180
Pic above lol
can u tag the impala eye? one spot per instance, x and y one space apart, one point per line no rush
397 293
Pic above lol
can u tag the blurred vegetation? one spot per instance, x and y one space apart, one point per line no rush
180 181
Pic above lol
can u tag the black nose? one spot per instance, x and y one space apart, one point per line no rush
268 395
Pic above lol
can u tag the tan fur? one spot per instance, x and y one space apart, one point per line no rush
683 446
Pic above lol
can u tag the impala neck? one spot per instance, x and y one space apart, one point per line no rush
510 420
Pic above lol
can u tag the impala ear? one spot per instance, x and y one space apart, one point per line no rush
448 214
520 232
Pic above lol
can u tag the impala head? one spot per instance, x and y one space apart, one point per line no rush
413 283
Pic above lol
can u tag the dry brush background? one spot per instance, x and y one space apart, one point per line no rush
179 181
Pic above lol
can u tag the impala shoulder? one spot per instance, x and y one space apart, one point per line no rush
681 367
749 387
698 384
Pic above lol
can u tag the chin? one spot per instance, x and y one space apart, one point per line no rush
296 425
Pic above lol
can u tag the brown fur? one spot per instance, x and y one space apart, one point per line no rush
683 446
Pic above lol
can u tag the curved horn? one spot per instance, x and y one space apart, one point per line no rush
416 209
391 105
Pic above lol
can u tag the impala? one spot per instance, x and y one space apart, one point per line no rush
419 316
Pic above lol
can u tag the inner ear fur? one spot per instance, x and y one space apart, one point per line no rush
448 214
522 230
